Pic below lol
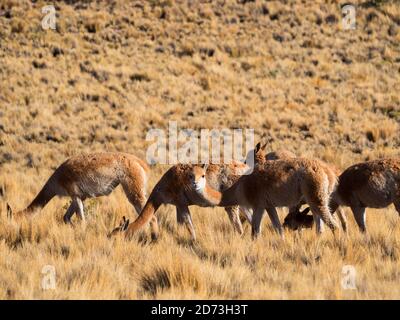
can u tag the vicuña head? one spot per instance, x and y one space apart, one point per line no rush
260 155
197 177
257 155
297 220
122 227
18 215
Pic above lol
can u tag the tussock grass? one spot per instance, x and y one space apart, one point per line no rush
109 73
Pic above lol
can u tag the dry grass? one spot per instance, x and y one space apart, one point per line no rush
113 70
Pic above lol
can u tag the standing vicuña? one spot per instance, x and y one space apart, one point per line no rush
92 175
294 216
179 186
280 183
372 184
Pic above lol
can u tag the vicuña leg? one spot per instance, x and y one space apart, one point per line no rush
70 211
397 205
334 207
246 213
233 214
359 215
319 224
256 221
180 216
80 211
342 218
135 193
186 216
273 215
322 212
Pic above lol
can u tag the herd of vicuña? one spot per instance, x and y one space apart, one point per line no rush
277 179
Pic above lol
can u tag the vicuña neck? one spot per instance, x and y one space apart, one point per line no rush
210 195
221 199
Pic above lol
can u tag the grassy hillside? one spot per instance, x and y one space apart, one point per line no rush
112 70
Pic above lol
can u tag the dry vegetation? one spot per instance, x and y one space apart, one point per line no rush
115 69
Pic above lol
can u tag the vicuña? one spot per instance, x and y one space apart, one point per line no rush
280 183
93 175
181 186
372 184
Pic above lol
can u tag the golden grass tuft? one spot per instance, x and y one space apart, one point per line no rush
113 70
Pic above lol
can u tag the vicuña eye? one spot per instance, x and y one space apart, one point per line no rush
203 176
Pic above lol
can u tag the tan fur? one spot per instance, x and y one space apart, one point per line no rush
260 155
178 187
280 183
296 220
333 174
372 184
291 219
280 154
92 175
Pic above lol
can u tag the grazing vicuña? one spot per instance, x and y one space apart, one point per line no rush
93 175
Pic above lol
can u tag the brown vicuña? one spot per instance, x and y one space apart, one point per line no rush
297 219
273 155
280 183
372 184
295 215
93 175
182 186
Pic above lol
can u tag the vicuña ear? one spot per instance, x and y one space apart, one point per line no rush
204 166
258 146
264 146
305 211
125 225
122 224
9 211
